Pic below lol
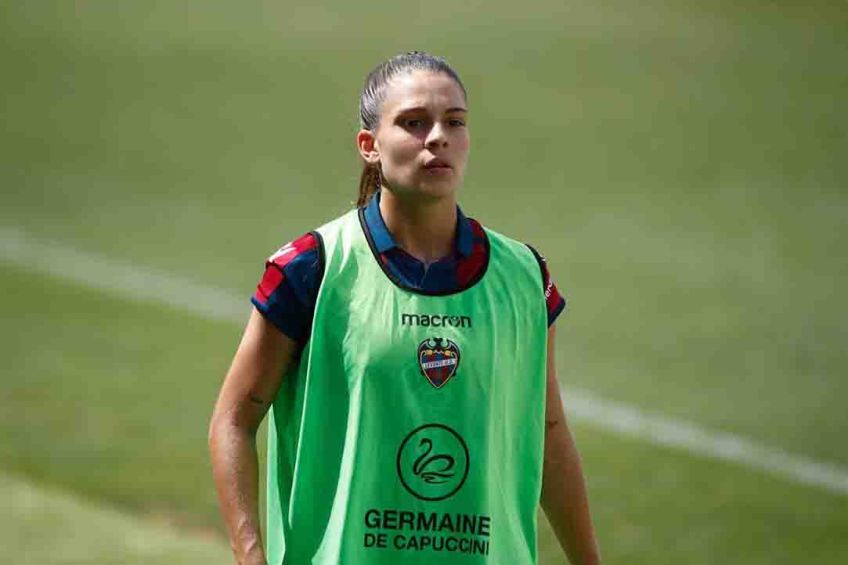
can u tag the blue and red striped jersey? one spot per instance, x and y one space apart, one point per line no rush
289 287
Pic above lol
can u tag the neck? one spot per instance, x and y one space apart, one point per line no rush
423 228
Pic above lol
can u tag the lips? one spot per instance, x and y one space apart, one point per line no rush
436 164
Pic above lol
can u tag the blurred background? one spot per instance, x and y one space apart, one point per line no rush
682 165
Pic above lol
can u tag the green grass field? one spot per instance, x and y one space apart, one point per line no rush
681 164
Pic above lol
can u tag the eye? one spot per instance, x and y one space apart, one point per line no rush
456 122
413 123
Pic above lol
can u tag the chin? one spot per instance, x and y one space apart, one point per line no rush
437 191
429 189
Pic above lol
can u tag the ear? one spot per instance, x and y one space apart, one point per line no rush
366 142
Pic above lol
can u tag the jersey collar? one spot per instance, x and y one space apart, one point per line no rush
383 240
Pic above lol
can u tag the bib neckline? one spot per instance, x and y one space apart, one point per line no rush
403 286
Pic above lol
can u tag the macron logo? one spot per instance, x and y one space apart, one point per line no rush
435 320
549 289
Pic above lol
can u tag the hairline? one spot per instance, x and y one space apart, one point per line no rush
410 72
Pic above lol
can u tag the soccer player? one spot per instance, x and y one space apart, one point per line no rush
406 356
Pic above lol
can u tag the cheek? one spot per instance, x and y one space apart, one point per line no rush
462 139
401 151
462 146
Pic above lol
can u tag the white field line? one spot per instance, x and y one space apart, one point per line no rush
629 421
140 283
121 278
80 531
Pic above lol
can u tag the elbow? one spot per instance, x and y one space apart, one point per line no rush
225 425
215 428
221 425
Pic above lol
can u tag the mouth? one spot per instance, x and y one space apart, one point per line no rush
436 164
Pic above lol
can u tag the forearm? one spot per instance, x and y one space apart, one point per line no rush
564 497
235 470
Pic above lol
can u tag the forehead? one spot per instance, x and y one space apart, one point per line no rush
422 89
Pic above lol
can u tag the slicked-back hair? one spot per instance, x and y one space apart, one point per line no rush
374 93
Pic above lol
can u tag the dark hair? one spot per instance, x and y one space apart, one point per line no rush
373 94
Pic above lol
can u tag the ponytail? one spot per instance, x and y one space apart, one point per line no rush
369 183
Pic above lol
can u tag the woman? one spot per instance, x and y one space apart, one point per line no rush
406 355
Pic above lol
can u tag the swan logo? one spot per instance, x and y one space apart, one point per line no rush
432 462
438 359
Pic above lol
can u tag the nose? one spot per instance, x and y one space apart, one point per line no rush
436 137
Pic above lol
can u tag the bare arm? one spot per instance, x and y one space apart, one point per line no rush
246 395
564 498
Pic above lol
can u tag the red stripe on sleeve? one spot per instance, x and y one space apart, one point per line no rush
274 273
553 299
285 254
269 283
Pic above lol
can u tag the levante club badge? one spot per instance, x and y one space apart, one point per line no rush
438 359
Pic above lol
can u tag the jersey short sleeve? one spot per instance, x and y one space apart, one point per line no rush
286 294
554 301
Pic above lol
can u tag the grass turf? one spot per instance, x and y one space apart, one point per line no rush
677 162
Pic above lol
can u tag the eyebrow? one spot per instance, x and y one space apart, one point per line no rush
423 109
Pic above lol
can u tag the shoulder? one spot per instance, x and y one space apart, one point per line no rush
293 250
305 254
296 261
287 291
535 262
513 246
512 249
554 301
348 221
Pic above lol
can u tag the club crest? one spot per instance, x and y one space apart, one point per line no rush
438 359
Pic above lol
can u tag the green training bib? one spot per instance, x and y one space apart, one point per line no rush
412 429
